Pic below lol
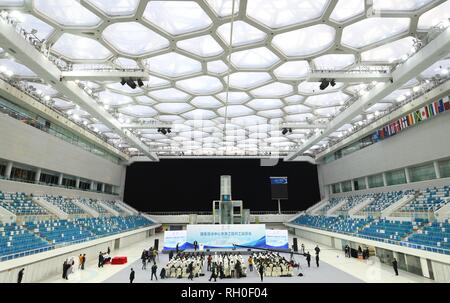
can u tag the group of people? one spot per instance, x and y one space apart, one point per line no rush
224 265
104 257
272 264
185 265
68 267
148 256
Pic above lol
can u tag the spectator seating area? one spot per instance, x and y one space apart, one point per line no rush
435 234
384 200
331 203
20 204
355 200
337 224
94 205
430 199
113 205
389 229
65 204
16 239
60 231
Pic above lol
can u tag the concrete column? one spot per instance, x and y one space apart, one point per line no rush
103 187
340 187
384 180
436 169
60 179
424 266
366 179
92 185
8 169
77 183
408 177
353 185
37 177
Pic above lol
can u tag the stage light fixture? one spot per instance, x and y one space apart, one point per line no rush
131 84
163 131
290 130
324 84
333 82
123 81
169 130
284 131
140 83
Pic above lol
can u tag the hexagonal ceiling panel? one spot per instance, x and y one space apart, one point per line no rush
202 85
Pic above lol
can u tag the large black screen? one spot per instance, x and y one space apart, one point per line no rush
192 185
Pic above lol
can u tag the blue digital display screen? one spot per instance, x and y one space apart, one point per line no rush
278 180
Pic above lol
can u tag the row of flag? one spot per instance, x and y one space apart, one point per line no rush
415 117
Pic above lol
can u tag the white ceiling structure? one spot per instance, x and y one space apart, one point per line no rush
225 83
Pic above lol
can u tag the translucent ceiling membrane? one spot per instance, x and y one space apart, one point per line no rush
145 100
67 12
243 33
139 111
311 88
173 65
399 5
173 108
334 61
435 16
120 7
154 81
223 8
126 63
250 120
199 114
133 38
206 102
201 85
280 13
378 107
113 99
437 69
177 17
233 97
169 94
80 48
246 80
203 46
292 70
299 117
30 23
235 111
347 9
272 90
299 42
389 52
43 89
296 109
294 99
330 99
217 67
328 111
265 104
16 68
14 3
255 58
372 30
62 104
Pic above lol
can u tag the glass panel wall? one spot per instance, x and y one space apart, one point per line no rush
2 170
48 179
375 181
422 172
396 177
69 182
444 168
360 184
22 174
346 186
335 188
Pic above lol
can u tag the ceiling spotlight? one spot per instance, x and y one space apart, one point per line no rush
332 82
169 130
284 131
290 130
324 84
163 131
123 81
140 83
131 84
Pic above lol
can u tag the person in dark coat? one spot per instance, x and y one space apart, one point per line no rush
66 267
170 255
20 275
109 251
213 273
177 249
317 249
395 266
191 271
195 245
308 258
83 261
261 271
162 274
317 260
132 276
100 259
154 269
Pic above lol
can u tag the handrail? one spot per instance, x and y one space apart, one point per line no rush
175 213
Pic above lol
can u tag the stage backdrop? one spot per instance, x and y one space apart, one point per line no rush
225 235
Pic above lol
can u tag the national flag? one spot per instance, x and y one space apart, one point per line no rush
417 116
375 137
441 107
387 132
381 133
447 102
431 110
436 107
410 121
398 126
424 113
405 122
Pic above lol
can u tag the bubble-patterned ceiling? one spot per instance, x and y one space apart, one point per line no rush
222 95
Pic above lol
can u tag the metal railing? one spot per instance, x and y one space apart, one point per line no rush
209 213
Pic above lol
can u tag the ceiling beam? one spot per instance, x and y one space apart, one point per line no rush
349 76
13 43
425 57
103 75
